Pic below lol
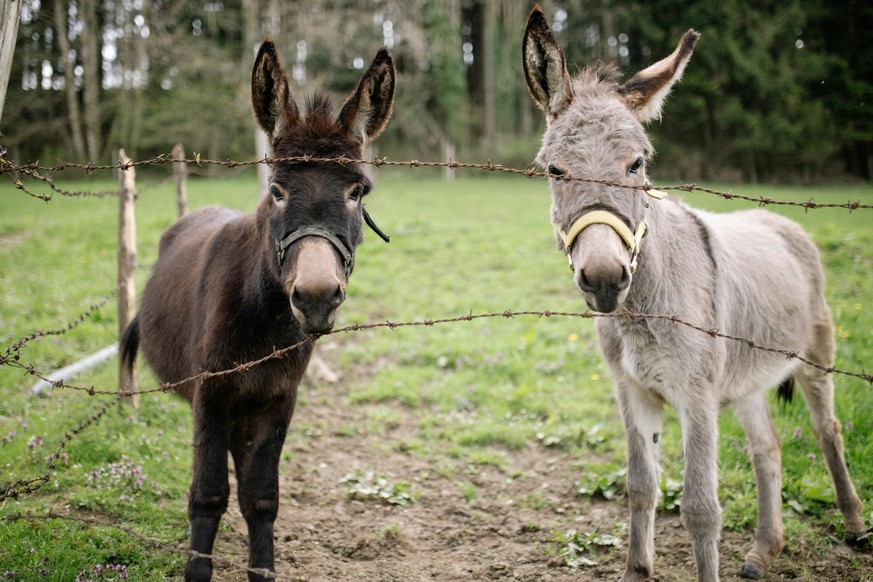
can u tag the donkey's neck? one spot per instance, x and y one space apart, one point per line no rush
674 266
266 304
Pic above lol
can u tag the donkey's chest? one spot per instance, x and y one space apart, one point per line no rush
655 358
267 354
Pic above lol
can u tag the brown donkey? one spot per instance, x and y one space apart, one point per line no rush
751 274
230 288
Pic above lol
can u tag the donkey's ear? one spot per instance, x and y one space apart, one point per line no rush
271 95
366 112
645 92
545 68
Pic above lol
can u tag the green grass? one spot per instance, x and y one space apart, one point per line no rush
477 390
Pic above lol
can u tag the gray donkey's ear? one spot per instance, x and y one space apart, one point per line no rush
645 92
545 68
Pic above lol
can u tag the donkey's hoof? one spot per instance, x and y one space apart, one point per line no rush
751 571
860 542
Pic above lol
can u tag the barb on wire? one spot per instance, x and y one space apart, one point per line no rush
27 486
508 314
12 352
153 543
8 167
166 387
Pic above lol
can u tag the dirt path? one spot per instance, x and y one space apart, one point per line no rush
504 533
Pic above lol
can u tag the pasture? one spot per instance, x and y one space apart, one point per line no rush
478 450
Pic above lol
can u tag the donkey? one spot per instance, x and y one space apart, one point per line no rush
751 273
230 288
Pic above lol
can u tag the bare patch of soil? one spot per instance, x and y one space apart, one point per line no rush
504 533
10 240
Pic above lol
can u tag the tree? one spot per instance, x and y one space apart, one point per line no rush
9 11
67 62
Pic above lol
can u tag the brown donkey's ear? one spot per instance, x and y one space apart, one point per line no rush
366 112
645 92
271 95
545 68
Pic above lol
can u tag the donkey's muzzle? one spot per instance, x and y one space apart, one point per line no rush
604 288
315 307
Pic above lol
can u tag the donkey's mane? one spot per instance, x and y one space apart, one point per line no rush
319 105
318 130
600 75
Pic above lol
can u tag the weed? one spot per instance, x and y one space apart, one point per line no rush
469 491
393 533
576 547
671 493
103 572
368 484
606 482
125 477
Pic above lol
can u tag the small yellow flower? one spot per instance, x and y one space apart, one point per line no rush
595 377
857 307
573 337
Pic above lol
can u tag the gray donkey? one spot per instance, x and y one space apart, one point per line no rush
751 274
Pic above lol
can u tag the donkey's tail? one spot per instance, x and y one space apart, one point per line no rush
785 391
130 343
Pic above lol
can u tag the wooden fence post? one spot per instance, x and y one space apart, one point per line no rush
126 268
180 174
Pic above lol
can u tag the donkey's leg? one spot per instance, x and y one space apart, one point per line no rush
701 512
818 388
643 420
207 499
766 452
256 445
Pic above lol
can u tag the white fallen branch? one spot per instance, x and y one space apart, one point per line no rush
43 387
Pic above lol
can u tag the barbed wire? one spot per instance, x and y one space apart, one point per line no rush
44 175
12 352
7 166
508 314
153 543
27 486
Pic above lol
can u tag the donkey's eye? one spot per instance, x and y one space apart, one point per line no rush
276 193
556 171
635 167
357 193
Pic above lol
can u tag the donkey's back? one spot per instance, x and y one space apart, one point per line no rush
770 290
192 277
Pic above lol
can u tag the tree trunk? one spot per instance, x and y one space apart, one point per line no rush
91 60
869 150
74 115
9 13
252 39
489 21
479 16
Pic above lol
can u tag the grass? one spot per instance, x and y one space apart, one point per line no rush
477 390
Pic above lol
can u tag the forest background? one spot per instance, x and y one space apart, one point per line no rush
776 92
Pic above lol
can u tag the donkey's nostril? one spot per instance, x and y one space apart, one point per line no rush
338 296
584 283
625 278
319 298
